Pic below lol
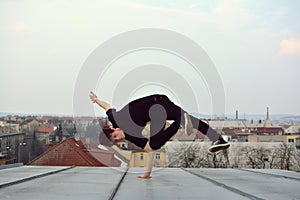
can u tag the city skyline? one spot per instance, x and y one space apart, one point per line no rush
255 47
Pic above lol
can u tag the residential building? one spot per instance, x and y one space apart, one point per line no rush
11 147
139 158
2 159
136 157
273 138
292 130
10 118
292 138
42 133
240 130
123 144
28 126
242 136
6 126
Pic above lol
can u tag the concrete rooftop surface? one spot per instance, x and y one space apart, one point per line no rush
85 183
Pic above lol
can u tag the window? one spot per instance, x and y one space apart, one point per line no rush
157 156
141 156
291 140
7 142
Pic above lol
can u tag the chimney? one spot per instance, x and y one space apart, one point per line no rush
236 114
267 113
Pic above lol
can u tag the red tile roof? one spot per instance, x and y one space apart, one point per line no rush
268 130
76 153
44 129
46 118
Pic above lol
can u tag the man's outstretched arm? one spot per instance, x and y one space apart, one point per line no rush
149 165
102 104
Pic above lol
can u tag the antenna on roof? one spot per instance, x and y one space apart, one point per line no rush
267 113
77 137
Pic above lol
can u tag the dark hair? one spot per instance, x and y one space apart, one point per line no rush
105 133
107 130
104 136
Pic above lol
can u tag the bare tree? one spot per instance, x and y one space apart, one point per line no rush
236 156
286 155
249 154
218 160
297 160
177 156
188 155
256 157
273 158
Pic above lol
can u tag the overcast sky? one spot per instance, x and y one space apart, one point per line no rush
255 46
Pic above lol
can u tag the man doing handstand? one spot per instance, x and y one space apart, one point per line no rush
129 122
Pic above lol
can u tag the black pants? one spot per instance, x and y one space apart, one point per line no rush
163 109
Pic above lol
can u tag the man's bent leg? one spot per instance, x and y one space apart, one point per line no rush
218 142
205 129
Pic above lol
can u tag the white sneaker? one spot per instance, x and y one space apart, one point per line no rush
188 126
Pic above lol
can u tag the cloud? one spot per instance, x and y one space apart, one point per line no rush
289 47
233 15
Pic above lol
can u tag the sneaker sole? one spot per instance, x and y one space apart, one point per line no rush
188 128
216 148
